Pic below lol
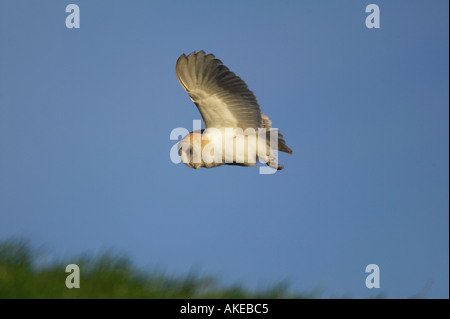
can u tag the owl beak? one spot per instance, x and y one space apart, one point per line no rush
194 166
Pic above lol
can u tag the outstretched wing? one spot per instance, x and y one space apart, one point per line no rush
223 98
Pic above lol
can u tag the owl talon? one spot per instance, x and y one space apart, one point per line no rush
274 165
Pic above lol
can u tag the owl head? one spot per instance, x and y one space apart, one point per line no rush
190 150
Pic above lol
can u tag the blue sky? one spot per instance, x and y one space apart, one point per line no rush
86 114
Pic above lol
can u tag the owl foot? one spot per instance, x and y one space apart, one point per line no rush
275 165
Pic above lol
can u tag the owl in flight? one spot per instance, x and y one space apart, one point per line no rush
236 132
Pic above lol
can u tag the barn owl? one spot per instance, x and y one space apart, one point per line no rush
236 132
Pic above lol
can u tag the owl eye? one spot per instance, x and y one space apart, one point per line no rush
185 151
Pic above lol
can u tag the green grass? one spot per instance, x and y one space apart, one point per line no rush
110 276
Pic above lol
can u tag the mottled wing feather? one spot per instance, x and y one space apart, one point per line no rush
222 97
